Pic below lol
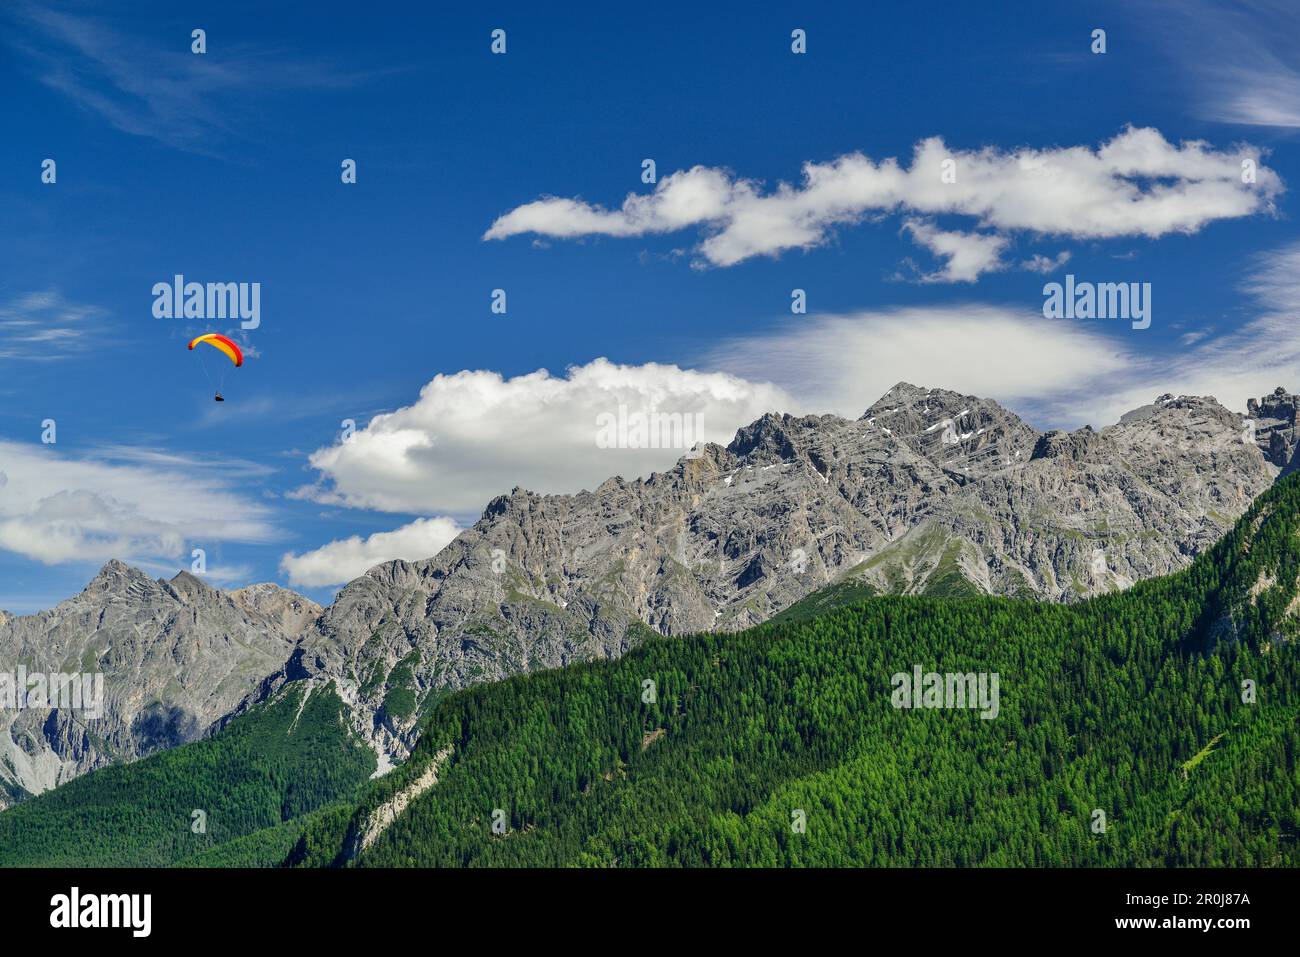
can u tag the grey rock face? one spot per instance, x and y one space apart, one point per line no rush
928 492
1274 418
175 656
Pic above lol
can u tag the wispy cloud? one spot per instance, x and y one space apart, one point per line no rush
843 363
231 467
57 508
1061 373
1243 58
1045 264
45 327
192 102
339 402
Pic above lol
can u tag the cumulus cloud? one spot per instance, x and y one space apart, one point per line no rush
967 255
1045 264
343 560
56 508
1137 184
473 435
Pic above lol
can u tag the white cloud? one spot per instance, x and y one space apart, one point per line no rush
1247 362
843 363
55 508
1262 98
217 574
967 255
343 560
1275 280
1262 353
1243 59
44 326
1137 184
163 92
1058 373
474 435
1045 264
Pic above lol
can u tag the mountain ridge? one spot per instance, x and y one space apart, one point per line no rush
928 492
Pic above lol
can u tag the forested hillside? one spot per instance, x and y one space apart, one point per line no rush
1130 705
261 773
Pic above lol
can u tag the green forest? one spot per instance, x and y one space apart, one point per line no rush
1151 727
254 783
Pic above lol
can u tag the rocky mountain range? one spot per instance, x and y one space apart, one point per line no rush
177 656
929 492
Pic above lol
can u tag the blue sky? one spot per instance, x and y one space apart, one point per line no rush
225 167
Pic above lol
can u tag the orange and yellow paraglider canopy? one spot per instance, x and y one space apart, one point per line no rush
220 342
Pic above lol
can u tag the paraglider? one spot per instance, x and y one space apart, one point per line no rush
226 347
220 342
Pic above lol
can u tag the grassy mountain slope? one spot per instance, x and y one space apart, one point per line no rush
272 765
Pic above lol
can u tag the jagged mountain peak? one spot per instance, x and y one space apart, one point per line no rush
779 436
117 581
115 572
1057 443
398 571
177 657
263 593
905 394
292 612
901 392
188 587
